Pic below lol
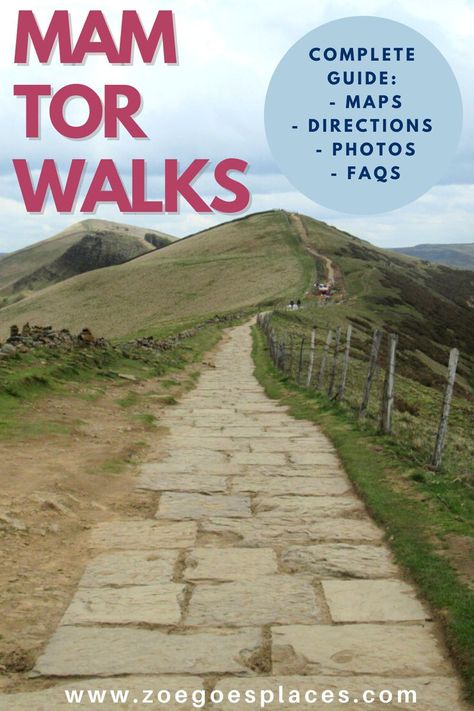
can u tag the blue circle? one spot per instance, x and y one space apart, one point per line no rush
356 146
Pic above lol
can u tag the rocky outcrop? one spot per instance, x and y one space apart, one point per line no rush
31 337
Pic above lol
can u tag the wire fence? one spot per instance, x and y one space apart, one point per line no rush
321 360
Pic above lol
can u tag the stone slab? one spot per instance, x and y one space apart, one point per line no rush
278 417
431 694
265 406
252 432
109 651
267 458
194 482
151 604
182 505
209 411
55 699
302 507
229 563
129 568
280 443
280 485
341 560
197 422
258 532
295 428
191 468
237 400
291 472
199 457
273 599
372 601
357 649
315 459
216 443
141 535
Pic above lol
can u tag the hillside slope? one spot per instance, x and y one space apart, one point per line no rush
61 257
451 255
267 258
431 306
249 261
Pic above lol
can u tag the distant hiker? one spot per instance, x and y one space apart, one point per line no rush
298 304
291 305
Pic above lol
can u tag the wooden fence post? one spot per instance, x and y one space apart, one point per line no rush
290 359
374 355
324 356
388 387
332 379
300 361
281 356
311 357
345 366
448 394
272 345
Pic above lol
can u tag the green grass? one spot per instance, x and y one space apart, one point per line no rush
114 466
148 420
129 400
233 266
168 383
27 377
43 259
405 503
418 402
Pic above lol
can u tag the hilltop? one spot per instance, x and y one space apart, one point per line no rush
452 255
84 246
254 260
263 259
431 306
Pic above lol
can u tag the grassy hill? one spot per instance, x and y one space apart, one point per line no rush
452 255
87 245
431 306
260 262
257 259
265 257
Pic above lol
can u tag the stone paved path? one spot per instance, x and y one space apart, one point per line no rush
260 568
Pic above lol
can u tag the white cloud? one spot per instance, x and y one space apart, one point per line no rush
211 105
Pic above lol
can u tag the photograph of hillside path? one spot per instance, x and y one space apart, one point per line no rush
237 356
248 528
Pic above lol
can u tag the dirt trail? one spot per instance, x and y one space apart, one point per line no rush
261 567
300 228
69 467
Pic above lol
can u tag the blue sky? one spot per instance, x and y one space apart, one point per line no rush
211 105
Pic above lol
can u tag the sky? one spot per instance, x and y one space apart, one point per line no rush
211 105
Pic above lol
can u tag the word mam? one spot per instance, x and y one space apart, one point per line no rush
106 184
59 31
